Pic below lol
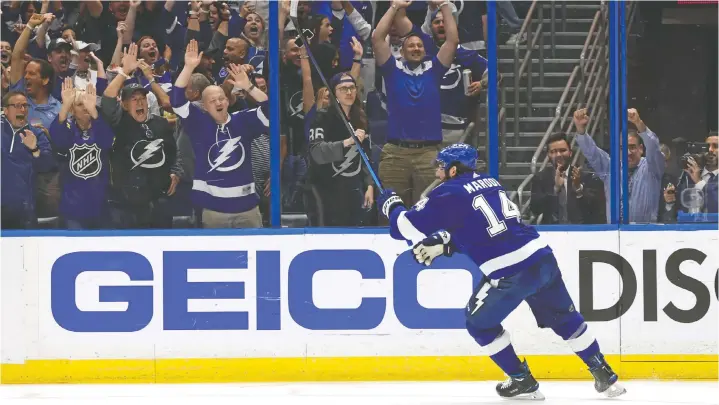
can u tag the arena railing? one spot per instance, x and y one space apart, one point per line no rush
526 61
592 70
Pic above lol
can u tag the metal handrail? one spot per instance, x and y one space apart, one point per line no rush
594 60
550 129
632 12
594 114
526 63
557 114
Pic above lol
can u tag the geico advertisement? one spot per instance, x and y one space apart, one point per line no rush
340 295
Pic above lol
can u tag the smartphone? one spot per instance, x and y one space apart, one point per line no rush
308 35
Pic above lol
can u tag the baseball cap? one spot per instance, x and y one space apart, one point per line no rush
89 47
130 89
58 42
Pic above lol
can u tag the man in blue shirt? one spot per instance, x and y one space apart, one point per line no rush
223 186
458 108
413 103
25 151
645 161
470 213
36 79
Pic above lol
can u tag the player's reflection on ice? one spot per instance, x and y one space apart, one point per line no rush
380 393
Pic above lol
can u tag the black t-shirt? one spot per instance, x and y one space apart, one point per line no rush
142 156
337 166
293 115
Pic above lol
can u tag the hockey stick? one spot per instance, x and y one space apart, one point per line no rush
333 100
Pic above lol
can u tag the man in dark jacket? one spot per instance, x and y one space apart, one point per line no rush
25 151
145 164
565 194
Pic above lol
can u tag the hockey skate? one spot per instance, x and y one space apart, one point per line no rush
521 386
605 379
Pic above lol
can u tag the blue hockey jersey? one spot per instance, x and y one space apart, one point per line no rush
484 223
455 104
223 170
85 177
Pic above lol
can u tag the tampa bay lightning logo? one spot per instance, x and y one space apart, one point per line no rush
226 155
349 160
148 154
85 161
258 61
452 78
295 106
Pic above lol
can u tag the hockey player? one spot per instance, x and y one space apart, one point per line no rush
471 213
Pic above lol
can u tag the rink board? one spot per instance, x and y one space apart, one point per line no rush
290 306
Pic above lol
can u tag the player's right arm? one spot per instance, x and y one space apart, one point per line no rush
429 215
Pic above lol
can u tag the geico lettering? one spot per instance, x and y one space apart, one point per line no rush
409 311
303 310
701 292
177 291
67 268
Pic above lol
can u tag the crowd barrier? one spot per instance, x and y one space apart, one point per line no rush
336 304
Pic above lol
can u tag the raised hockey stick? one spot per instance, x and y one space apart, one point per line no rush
333 100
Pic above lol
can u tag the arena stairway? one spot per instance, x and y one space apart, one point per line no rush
569 39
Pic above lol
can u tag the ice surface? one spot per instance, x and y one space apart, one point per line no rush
395 393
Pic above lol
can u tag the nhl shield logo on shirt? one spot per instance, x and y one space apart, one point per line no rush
85 161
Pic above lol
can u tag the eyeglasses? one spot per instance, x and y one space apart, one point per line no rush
19 106
347 89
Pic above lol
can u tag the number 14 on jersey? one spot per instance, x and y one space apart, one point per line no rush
497 225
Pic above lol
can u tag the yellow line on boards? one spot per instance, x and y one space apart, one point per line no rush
440 368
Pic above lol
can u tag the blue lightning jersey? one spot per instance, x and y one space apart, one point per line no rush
484 223
455 105
413 100
223 170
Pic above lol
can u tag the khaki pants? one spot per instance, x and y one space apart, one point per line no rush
451 136
408 171
247 219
